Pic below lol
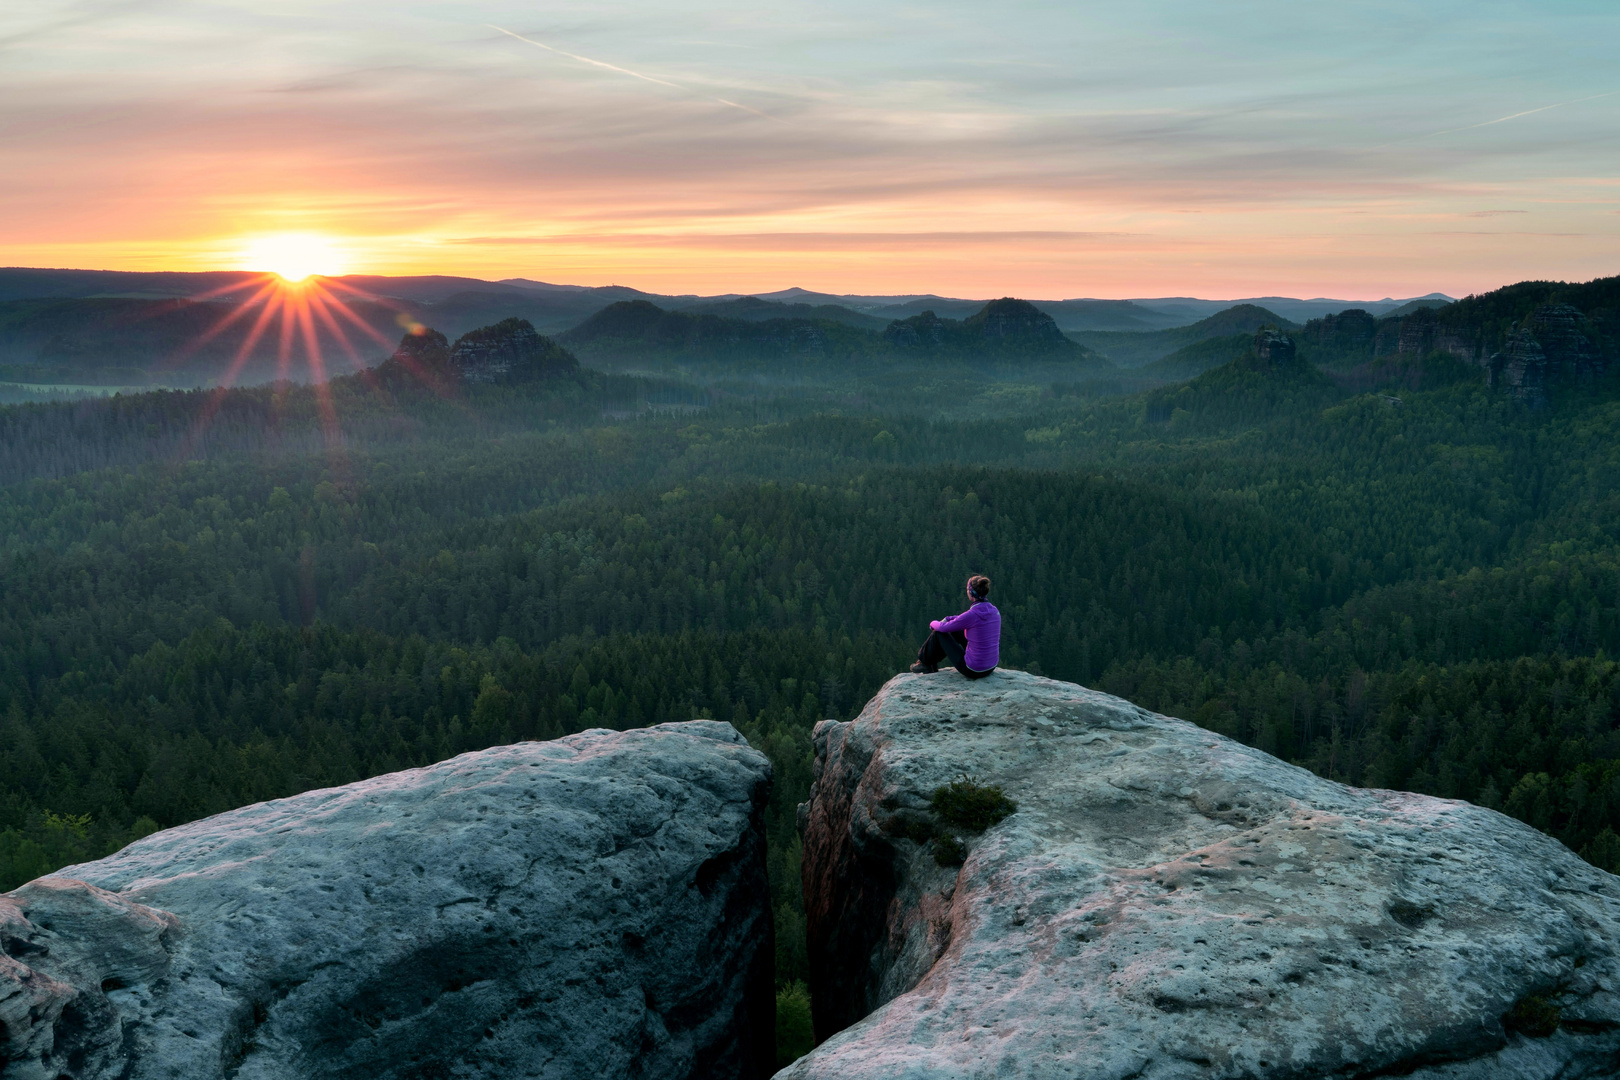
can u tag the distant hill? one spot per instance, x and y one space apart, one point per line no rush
1068 315
639 331
753 309
178 341
1414 305
509 352
1128 350
1268 375
1002 331
560 306
1189 309
117 341
1545 324
1195 359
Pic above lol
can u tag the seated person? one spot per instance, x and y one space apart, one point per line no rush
971 641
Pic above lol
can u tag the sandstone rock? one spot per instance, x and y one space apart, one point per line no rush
1168 903
1346 333
1273 348
422 350
1549 349
510 351
594 906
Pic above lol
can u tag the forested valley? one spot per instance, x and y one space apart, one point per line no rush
213 598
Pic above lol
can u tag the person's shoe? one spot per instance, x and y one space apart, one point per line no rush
920 669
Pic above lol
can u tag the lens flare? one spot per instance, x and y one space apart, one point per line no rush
294 257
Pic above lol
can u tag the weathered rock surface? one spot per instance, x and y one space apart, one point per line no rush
594 906
1549 349
1274 349
1169 903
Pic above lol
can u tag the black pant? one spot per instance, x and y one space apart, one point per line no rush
948 646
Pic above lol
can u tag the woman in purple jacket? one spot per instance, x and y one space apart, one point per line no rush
971 641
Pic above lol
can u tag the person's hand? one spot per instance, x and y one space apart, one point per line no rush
934 625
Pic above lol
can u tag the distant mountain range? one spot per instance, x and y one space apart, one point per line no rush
639 333
553 308
123 328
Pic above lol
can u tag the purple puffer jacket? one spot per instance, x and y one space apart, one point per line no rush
982 625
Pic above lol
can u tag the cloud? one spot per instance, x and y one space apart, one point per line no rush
84 13
902 136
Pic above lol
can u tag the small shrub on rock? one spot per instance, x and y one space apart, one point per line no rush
1533 1016
972 806
949 851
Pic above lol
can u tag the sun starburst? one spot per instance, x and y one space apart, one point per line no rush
294 257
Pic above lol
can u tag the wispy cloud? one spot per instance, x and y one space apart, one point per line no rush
604 65
1063 150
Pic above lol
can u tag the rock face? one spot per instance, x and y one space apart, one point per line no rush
1273 348
1168 903
422 350
594 906
1352 328
1004 329
1549 349
510 351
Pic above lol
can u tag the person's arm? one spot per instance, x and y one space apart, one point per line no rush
956 622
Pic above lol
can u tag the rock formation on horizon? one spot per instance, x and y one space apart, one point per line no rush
1168 903
594 906
1550 348
510 351
1002 329
1273 348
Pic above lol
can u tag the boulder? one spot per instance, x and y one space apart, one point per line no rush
594 906
1168 903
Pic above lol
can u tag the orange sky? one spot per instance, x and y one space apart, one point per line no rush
1172 149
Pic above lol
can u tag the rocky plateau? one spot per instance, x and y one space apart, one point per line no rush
1167 903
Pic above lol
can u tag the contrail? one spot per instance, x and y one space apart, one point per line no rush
622 71
585 59
1527 112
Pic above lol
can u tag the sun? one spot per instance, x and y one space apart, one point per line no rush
294 257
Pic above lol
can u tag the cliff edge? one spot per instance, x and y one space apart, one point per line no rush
593 906
1165 902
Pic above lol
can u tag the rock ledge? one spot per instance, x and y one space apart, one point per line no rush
594 906
1169 903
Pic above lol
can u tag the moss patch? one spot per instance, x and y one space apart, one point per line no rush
1533 1016
972 806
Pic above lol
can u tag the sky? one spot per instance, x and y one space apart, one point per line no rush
1051 150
